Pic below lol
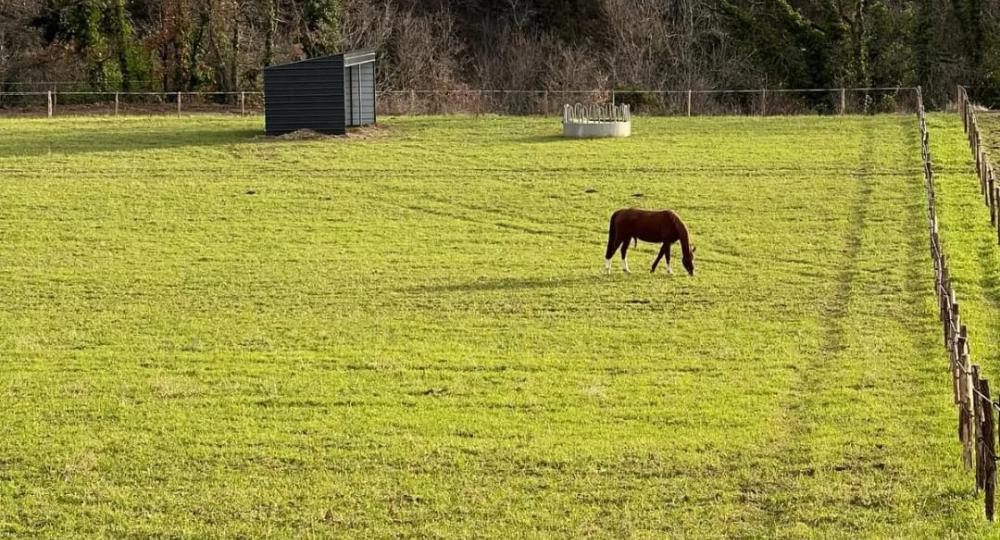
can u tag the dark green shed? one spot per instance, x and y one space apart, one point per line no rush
325 94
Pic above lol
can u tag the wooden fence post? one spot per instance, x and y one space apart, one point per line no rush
983 160
953 353
975 146
961 106
689 102
946 302
243 103
956 358
763 102
996 210
996 203
956 318
989 435
843 100
965 109
979 155
116 103
178 103
956 380
545 102
977 412
49 101
982 181
990 200
968 428
945 312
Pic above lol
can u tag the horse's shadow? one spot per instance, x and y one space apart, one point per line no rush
505 284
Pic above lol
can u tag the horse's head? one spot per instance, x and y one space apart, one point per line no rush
688 260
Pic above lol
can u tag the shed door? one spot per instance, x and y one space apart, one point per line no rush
359 94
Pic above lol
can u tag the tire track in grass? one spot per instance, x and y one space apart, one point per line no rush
790 456
836 309
494 216
847 432
486 224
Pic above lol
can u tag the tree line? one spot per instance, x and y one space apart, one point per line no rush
222 45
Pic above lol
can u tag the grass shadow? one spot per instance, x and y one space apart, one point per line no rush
545 139
122 138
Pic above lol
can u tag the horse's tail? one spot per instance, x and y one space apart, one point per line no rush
610 251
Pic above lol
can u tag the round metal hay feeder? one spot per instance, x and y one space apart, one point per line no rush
607 120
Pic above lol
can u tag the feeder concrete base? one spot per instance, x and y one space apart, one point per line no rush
597 129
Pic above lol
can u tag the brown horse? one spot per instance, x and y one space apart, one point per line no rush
664 227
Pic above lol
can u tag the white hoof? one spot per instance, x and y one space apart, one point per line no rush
670 271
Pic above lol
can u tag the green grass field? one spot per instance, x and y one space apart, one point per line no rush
204 333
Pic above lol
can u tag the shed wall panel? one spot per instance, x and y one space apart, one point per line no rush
367 90
305 95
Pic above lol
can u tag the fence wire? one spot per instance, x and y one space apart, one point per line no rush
64 98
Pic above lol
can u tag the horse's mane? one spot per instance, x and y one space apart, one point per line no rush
682 234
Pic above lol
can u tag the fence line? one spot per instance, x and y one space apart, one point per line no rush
690 102
971 392
96 93
988 187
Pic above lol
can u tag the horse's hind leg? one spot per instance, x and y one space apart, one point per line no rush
613 244
625 255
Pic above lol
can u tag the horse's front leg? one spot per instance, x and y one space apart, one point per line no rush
659 256
666 252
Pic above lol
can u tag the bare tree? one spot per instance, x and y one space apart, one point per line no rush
427 51
370 25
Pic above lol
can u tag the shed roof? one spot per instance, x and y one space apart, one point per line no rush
361 56
351 58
